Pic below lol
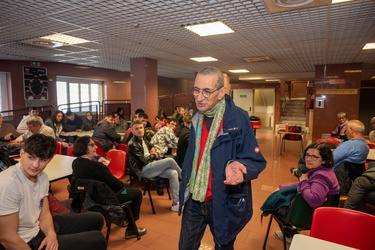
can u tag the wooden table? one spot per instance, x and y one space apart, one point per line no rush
59 167
371 155
305 242
76 134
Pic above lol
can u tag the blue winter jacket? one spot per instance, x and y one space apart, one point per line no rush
232 205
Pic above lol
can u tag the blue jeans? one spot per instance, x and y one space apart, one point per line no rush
165 168
195 218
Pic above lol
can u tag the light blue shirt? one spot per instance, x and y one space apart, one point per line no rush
353 151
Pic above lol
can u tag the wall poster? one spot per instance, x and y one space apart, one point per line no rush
35 86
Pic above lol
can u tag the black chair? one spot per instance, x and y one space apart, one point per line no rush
148 183
299 216
81 195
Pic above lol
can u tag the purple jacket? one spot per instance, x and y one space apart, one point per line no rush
322 182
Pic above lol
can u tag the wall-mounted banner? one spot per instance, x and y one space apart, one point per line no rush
36 86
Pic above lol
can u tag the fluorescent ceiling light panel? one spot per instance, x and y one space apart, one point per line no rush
272 80
353 71
239 71
204 59
60 38
369 46
340 1
210 29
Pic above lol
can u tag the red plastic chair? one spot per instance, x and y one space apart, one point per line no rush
69 151
371 145
59 147
117 164
343 226
100 150
336 142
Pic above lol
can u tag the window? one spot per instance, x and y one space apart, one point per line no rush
4 104
78 95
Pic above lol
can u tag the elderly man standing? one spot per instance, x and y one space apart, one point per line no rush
350 156
222 158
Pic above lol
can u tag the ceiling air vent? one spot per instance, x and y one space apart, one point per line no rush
292 3
257 59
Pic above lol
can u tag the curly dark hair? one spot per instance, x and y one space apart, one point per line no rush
41 146
53 117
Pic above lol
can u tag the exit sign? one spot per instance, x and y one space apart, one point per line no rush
243 96
35 63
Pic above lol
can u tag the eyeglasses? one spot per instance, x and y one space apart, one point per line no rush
205 92
312 157
92 145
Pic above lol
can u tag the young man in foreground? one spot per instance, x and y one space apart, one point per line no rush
25 218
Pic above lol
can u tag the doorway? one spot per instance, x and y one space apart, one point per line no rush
258 102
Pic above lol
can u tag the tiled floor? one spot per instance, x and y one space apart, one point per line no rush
163 228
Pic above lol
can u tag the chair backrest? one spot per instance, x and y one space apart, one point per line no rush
123 147
301 213
371 145
69 151
59 147
100 150
293 137
117 164
336 142
371 165
343 226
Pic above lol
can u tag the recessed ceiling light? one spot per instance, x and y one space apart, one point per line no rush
239 71
353 71
61 38
369 46
209 29
340 1
204 59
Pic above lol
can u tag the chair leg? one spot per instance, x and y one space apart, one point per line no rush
166 183
267 233
108 230
132 220
284 237
149 195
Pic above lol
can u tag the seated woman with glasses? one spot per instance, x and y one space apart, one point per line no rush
85 168
318 182
89 122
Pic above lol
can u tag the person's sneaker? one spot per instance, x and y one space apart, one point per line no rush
175 207
131 234
279 235
293 171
